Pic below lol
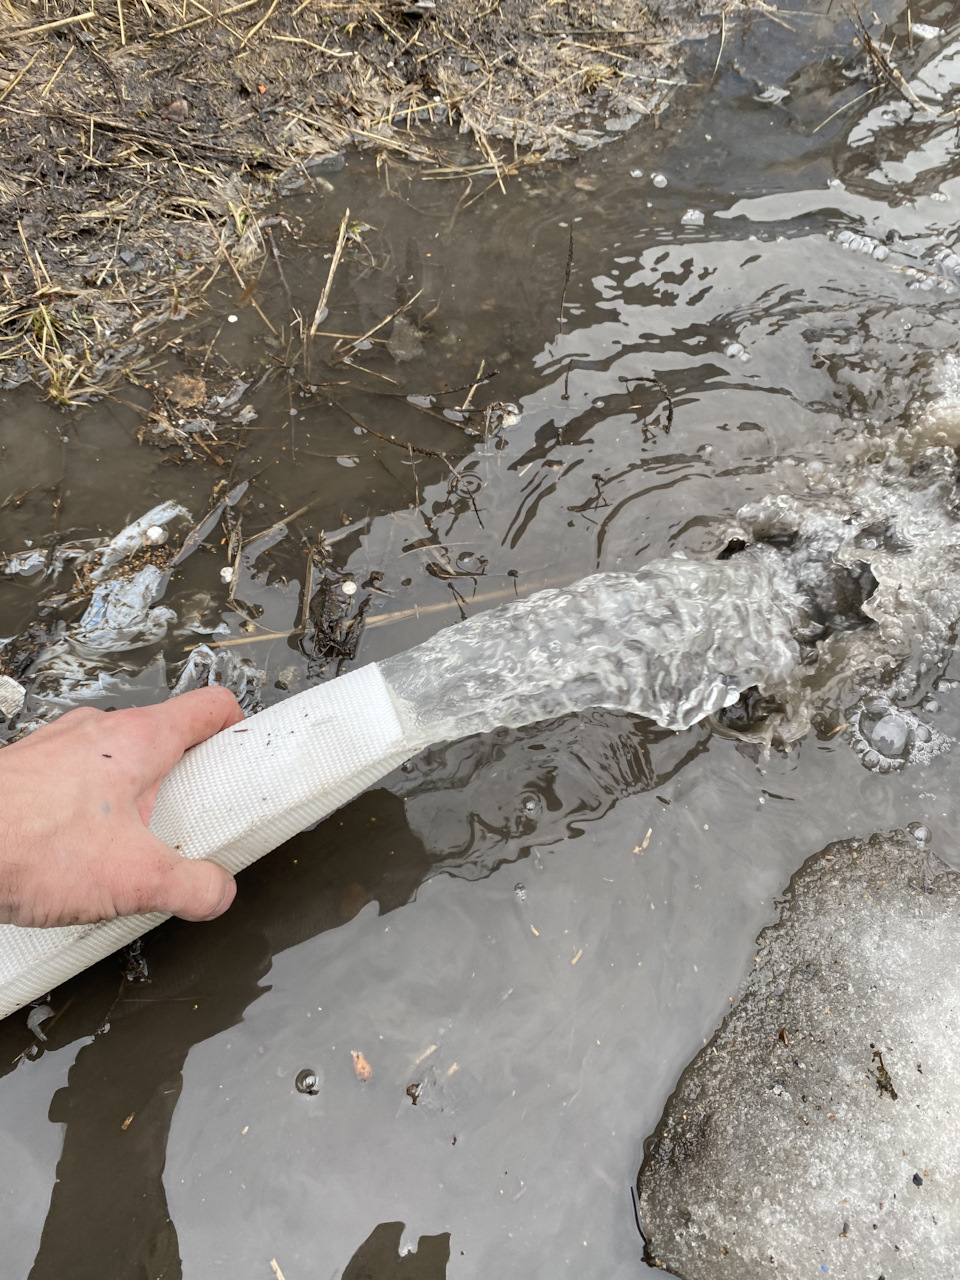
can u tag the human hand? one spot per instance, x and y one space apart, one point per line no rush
75 800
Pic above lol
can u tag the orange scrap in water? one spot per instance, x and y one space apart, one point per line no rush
360 1065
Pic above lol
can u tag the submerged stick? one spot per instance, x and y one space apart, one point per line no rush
355 342
334 263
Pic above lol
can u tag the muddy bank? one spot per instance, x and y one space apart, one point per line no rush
143 143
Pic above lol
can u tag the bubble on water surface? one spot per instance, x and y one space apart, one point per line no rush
888 738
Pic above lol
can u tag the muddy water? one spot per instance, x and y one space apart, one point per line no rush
529 932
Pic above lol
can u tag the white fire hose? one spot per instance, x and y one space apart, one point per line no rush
232 799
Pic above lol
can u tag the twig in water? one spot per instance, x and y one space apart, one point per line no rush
723 37
655 382
355 342
265 228
563 299
852 103
475 384
334 263
399 444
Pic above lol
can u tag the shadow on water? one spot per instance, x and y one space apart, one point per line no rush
124 1085
533 930
377 1258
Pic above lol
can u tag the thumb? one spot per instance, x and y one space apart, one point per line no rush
193 889
200 890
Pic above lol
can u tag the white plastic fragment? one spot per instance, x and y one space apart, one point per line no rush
12 695
37 1017
134 536
120 616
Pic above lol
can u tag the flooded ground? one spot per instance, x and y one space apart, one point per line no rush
527 935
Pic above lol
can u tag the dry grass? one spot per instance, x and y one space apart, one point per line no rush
142 137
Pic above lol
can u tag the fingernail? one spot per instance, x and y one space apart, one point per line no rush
226 900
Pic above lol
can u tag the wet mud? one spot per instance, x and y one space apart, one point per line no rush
168 135
536 929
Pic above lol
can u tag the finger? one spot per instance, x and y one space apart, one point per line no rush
160 880
163 732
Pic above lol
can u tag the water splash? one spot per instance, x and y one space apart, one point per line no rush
847 584
674 642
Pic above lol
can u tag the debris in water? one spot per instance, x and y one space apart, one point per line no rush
693 218
135 968
361 1066
206 666
772 93
12 695
659 180
130 539
36 1017
120 616
406 341
307 1081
